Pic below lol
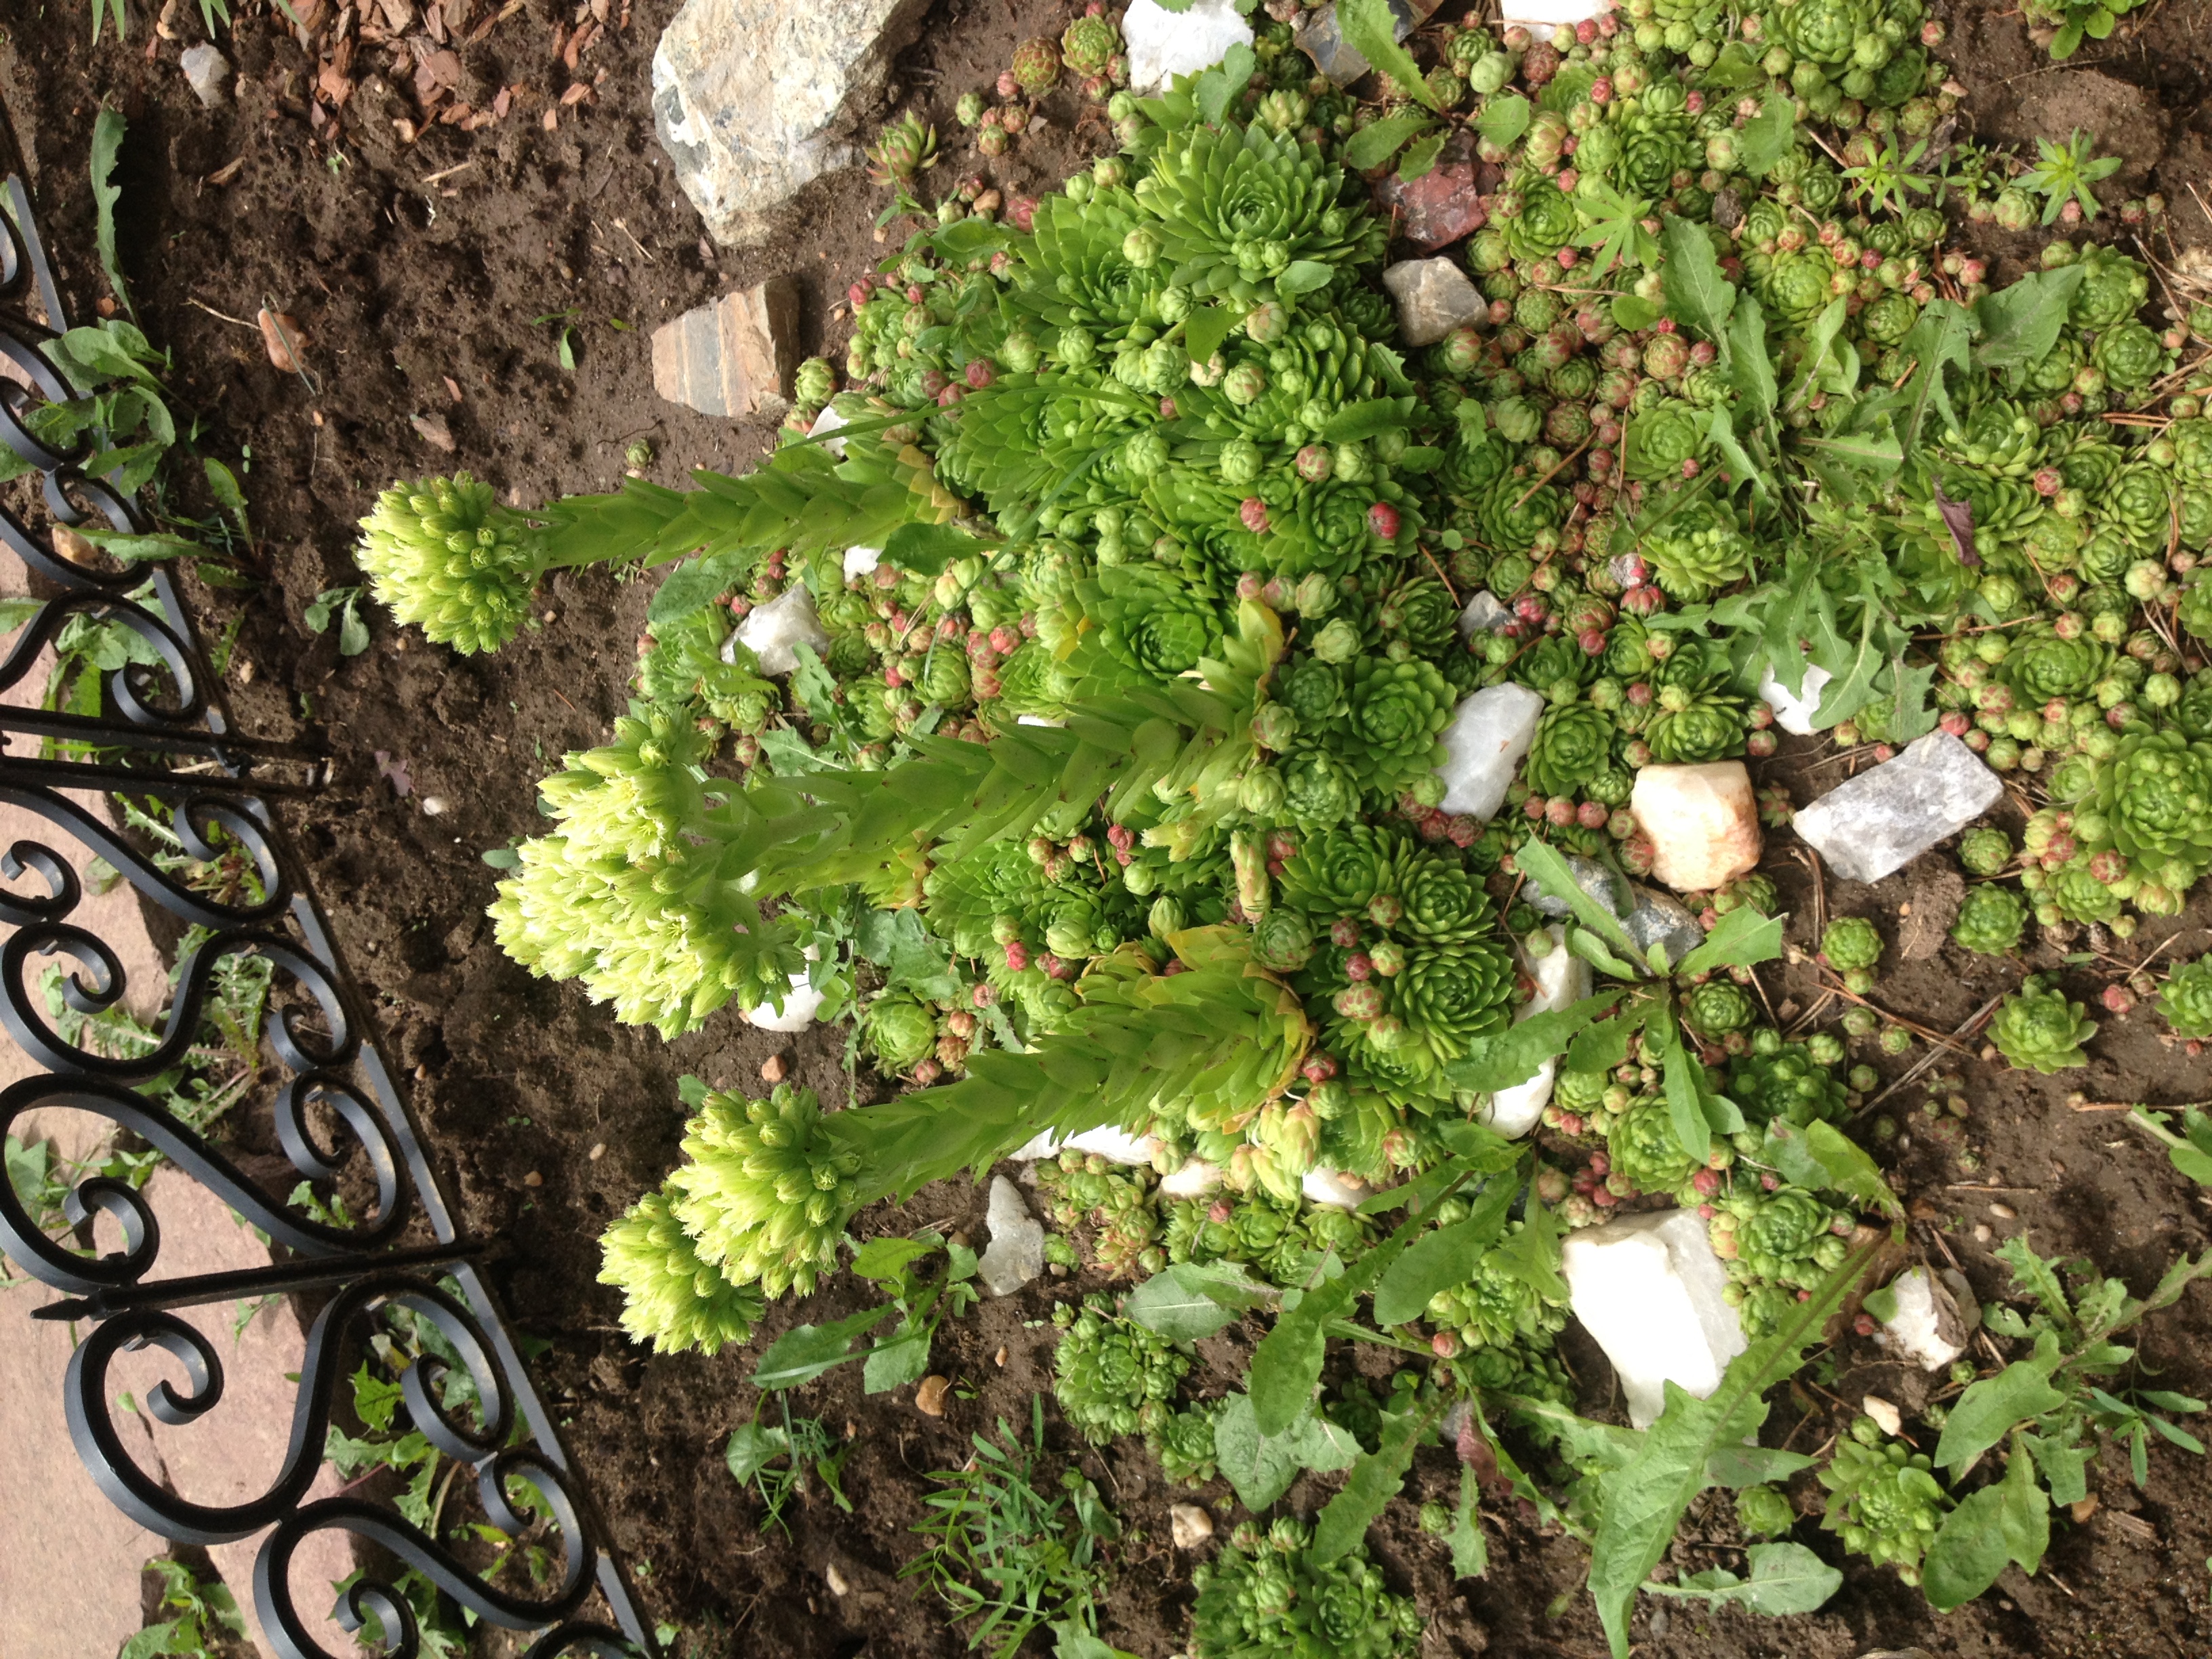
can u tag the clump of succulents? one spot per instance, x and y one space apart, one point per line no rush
2038 1028
445 555
766 1190
1112 1376
1852 946
1883 1499
1265 1593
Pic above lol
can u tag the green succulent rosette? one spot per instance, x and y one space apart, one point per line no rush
1573 744
1497 1307
1264 1596
1779 1081
2185 1000
902 1031
2038 1029
1696 716
1645 1151
2156 794
2113 289
1449 996
1717 1007
1441 904
1984 851
1396 713
1657 441
1694 554
1155 622
1852 944
1992 919
1184 1445
2042 665
1319 790
2131 355
1338 872
1884 1501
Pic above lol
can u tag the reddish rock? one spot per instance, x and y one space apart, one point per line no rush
1443 205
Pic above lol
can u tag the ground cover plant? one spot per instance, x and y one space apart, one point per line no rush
1121 606
1814 540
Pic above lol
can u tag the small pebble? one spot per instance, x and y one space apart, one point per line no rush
1982 1234
598 1150
1882 1412
1056 1270
533 1179
550 615
434 806
772 1069
2082 1507
1191 1525
852 1429
960 1237
1000 1359
2004 1211
929 1398
835 1580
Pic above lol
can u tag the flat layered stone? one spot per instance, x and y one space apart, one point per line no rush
733 357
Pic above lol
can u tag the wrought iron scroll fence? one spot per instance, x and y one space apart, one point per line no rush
172 750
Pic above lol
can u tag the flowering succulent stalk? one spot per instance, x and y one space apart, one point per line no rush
672 1297
443 554
766 1191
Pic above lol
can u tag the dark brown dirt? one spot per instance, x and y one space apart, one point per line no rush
410 264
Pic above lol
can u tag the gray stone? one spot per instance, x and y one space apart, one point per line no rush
1434 297
206 69
1015 1255
733 357
1485 613
774 631
755 99
1661 919
1593 877
1320 39
1874 824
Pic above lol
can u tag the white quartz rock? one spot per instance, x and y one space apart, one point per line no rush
1562 977
1485 613
1920 1319
786 621
801 1004
1793 712
829 420
1335 1188
862 561
1115 1145
1869 826
1434 297
1053 722
1015 1255
1540 17
1649 1289
1195 1180
1702 821
1486 741
1165 44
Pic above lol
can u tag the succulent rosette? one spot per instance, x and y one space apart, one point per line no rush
1696 716
2131 355
1717 1007
1235 209
1573 744
2042 664
1992 919
1154 622
1662 439
2155 795
1781 1082
1696 554
1111 1375
1450 995
1338 872
2185 1000
1644 1153
1397 712
2037 1028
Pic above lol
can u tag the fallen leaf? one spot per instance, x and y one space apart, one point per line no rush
1959 520
929 1398
335 84
282 334
226 171
394 772
454 386
433 430
577 93
502 102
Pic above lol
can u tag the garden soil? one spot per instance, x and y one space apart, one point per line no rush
432 277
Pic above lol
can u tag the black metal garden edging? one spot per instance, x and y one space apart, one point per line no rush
209 780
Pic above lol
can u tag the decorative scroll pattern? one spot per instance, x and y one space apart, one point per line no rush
337 1110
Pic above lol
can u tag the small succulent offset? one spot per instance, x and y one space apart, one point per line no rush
1265 1597
1992 919
2185 1000
1984 851
906 146
1852 945
2037 1028
1883 1499
1765 1511
2074 21
1111 1375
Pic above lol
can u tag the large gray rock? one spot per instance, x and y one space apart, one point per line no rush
747 96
